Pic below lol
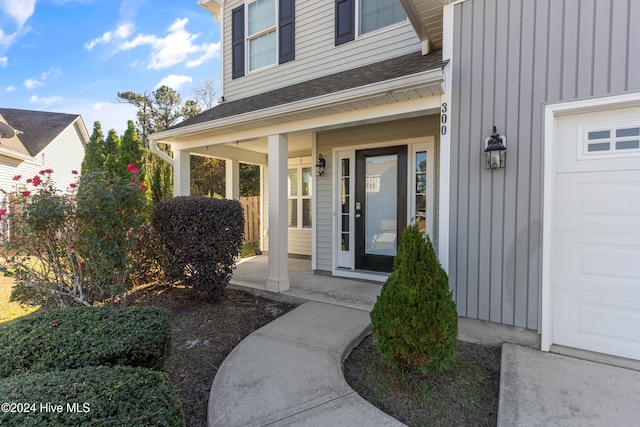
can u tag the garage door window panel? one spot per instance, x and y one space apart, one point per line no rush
615 140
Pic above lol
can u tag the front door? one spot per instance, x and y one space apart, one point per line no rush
380 206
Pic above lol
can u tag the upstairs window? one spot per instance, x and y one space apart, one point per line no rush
261 33
269 37
366 16
377 14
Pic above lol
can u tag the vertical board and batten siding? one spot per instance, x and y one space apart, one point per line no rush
510 57
315 52
346 138
62 155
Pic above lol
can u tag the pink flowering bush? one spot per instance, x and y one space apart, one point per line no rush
70 246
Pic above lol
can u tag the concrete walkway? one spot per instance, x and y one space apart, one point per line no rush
546 389
289 373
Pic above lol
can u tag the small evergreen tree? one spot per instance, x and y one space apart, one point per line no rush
94 151
130 150
111 149
414 319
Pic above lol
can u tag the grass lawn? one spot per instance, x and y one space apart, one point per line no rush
10 310
248 249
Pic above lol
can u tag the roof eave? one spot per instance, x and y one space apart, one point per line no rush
423 79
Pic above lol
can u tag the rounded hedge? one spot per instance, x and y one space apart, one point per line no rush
201 238
119 396
85 336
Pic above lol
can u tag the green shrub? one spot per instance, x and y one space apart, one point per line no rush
146 253
202 237
414 319
118 396
72 249
60 339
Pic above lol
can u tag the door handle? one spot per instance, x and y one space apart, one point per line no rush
358 209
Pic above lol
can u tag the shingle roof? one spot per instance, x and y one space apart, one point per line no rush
378 72
38 128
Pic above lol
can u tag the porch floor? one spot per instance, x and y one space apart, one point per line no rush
304 285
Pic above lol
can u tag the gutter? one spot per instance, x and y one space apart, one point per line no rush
153 145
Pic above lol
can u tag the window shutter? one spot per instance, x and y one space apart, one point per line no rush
237 42
345 21
287 29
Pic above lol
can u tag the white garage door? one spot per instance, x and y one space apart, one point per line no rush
596 237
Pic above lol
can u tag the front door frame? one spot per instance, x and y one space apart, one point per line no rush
426 143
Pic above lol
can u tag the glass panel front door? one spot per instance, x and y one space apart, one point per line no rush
381 222
380 206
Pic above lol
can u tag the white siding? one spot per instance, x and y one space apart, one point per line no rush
315 51
64 154
299 240
358 135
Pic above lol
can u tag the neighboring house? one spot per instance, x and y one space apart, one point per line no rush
398 97
44 140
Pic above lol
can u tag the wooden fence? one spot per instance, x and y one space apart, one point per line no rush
251 206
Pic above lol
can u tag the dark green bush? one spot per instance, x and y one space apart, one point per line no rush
414 319
119 396
146 254
202 237
85 336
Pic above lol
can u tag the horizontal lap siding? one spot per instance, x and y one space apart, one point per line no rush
315 52
349 137
62 155
510 58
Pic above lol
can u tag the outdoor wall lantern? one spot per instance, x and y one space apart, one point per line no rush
495 147
322 163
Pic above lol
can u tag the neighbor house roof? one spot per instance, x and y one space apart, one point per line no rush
38 128
378 72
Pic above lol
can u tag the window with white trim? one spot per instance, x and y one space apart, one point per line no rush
261 33
299 192
377 14
364 17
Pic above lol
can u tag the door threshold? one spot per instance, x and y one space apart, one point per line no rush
372 276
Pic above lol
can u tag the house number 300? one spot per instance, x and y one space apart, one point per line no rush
443 118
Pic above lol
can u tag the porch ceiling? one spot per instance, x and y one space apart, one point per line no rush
426 18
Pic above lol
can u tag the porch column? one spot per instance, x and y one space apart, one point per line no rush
181 173
232 170
278 275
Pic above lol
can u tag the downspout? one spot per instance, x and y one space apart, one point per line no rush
153 145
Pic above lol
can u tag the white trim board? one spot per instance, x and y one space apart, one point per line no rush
551 111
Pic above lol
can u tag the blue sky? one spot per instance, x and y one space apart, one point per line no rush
73 56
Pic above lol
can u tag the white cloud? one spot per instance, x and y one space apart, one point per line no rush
19 10
44 100
11 89
7 39
174 81
52 72
174 48
4 61
120 33
32 83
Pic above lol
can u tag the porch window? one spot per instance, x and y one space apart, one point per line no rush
299 203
